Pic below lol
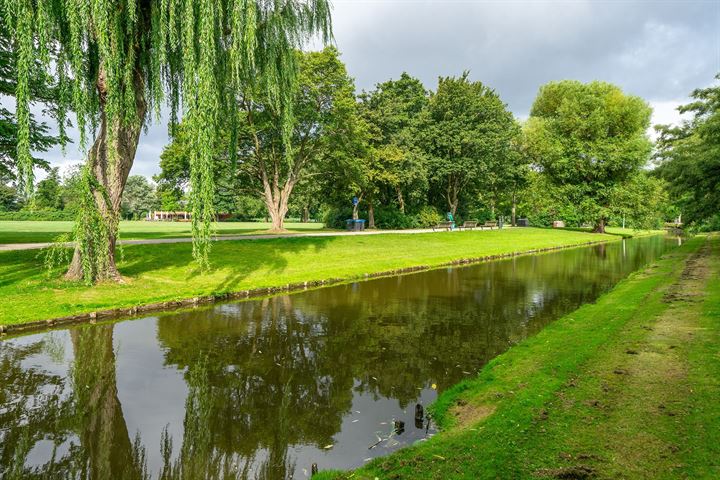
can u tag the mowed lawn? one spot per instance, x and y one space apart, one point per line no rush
167 272
38 232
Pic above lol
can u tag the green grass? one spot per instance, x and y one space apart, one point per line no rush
37 232
623 232
167 272
624 388
631 232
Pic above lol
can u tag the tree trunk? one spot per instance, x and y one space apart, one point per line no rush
276 201
514 205
356 208
401 201
371 215
452 196
111 176
306 214
600 226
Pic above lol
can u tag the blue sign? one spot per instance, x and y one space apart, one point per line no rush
355 200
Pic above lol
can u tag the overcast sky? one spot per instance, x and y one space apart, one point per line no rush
659 50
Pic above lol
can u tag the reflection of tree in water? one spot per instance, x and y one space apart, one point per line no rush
267 385
33 404
87 419
106 450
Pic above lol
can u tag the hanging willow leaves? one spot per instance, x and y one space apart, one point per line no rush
117 60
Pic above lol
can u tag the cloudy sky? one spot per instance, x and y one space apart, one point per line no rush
659 50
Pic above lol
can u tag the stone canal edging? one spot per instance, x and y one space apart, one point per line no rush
118 313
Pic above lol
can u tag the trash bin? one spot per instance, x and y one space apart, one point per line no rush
355 225
523 222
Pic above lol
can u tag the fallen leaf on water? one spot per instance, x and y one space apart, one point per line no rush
328 447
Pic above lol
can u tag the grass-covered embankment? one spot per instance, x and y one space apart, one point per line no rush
158 273
623 388
43 232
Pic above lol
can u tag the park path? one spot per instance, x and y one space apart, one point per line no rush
218 238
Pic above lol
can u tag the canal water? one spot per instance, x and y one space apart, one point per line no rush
265 388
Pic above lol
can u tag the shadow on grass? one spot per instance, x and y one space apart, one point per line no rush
236 259
18 266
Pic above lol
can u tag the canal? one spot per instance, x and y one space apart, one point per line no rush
266 388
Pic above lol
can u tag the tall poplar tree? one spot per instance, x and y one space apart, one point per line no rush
118 60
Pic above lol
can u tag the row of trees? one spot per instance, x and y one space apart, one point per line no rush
61 194
408 155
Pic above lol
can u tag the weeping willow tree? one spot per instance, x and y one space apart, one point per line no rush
116 61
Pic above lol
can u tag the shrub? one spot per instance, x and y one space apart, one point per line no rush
335 217
393 219
40 215
427 217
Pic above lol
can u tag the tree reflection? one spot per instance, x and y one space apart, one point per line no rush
81 415
106 450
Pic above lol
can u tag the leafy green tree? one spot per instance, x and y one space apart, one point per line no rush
118 60
72 188
322 126
138 198
689 159
9 200
467 132
48 192
589 139
392 112
640 202
40 89
174 180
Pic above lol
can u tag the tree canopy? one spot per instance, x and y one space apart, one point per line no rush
588 139
689 159
468 134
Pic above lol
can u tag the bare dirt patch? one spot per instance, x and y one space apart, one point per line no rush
467 414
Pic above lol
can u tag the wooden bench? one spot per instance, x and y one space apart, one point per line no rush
489 225
443 226
469 225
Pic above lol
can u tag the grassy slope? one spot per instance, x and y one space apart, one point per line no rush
37 232
167 272
624 388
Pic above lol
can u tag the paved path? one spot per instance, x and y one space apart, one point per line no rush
153 241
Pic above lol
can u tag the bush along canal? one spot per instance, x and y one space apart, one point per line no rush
331 379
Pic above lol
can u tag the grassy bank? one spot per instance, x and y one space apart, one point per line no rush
624 388
39 232
157 273
623 232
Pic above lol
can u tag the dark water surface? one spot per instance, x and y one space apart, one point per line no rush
263 389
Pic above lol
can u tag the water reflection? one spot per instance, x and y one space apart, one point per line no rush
263 389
